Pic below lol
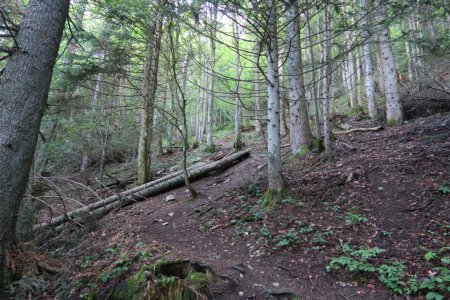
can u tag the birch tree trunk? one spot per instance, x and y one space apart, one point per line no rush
276 182
368 68
237 103
300 132
24 88
391 90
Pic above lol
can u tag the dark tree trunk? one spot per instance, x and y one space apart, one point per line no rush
24 90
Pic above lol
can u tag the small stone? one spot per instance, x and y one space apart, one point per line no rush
165 224
241 294
170 198
170 214
276 284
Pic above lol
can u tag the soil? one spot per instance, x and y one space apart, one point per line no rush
380 189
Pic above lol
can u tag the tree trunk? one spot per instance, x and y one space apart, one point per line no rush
258 125
350 74
140 193
393 106
276 182
326 81
379 66
284 102
358 76
237 103
24 88
150 78
105 140
210 122
182 105
300 132
313 74
370 83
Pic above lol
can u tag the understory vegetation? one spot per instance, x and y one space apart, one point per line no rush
218 149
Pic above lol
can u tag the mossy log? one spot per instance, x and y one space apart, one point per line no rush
140 193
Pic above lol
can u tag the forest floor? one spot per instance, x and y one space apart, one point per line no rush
387 189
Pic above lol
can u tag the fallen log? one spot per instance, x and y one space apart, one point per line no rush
359 130
140 193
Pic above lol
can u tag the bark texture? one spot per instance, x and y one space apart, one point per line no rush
273 144
368 68
148 101
300 132
326 82
237 103
210 118
394 113
24 89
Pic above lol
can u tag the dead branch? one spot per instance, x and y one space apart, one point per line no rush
359 130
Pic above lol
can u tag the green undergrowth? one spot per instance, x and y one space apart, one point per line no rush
392 273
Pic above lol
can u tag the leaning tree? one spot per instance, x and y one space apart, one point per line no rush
24 87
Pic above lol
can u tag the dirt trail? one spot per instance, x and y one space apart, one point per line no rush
391 178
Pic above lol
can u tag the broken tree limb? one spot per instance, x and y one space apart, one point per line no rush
140 193
378 128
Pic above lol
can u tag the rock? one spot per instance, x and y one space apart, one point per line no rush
170 214
276 284
352 176
165 224
170 197
241 294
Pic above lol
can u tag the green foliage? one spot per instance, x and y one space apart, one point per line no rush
444 190
387 234
392 276
358 260
165 281
265 232
430 255
319 238
119 267
354 219
291 237
87 262
445 260
350 264
288 239
307 229
437 284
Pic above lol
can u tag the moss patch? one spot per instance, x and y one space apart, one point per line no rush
171 280
393 122
198 281
133 288
273 199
